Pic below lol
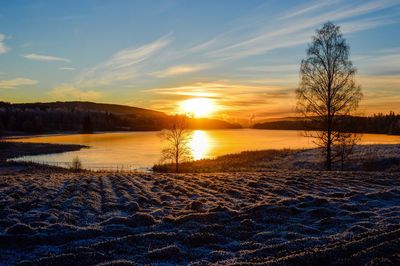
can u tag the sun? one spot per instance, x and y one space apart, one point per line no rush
198 107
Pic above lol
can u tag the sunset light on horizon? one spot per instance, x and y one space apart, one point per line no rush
242 55
197 107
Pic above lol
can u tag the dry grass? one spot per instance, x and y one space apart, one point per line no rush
377 157
239 162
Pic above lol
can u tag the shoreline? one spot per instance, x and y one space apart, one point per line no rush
66 133
370 157
10 150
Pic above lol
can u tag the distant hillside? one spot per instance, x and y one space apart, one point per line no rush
87 117
376 124
278 119
206 123
281 124
91 106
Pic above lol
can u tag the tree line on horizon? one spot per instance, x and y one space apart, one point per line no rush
57 119
67 117
375 124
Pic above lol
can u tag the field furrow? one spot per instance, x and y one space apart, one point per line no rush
276 217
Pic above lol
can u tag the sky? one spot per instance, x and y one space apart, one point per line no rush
243 55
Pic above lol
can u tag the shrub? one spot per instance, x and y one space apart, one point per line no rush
76 164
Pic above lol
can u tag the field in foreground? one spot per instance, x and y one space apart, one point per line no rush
55 217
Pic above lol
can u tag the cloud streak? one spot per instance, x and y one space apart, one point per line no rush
231 97
123 65
40 57
17 82
67 68
308 8
380 62
294 29
3 48
179 70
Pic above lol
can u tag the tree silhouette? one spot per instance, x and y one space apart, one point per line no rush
177 136
327 90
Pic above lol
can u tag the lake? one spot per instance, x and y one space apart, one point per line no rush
140 150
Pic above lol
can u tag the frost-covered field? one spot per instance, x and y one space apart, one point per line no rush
54 217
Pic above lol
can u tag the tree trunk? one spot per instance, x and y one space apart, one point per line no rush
329 129
177 160
329 140
329 152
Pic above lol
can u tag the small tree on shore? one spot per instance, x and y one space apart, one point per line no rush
344 146
76 164
177 136
327 89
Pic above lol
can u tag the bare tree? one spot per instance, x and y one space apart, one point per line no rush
178 137
344 146
327 89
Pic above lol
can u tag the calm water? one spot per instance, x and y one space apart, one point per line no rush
142 149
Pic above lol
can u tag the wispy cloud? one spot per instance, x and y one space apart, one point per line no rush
232 98
179 70
3 48
67 68
17 82
219 88
365 24
379 62
387 85
381 93
40 57
294 29
308 8
123 65
68 92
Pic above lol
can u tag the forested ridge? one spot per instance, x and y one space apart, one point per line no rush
87 117
376 124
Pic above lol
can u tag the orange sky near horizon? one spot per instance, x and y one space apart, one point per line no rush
243 57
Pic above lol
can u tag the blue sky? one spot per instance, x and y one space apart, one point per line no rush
244 55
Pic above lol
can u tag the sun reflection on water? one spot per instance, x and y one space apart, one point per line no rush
199 144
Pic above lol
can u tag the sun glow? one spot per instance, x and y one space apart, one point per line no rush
198 107
199 144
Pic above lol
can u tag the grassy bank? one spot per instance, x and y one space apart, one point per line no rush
238 162
377 157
